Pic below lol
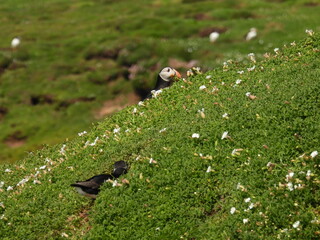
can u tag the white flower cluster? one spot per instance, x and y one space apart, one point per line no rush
82 133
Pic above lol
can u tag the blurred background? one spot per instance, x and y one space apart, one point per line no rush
75 62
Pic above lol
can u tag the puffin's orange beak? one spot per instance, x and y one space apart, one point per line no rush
177 74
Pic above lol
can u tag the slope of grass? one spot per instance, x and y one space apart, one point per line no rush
76 50
263 180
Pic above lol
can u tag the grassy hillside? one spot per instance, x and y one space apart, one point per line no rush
76 55
264 177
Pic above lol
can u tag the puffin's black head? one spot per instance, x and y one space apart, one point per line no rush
118 172
120 164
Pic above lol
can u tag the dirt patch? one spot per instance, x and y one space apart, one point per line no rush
312 4
273 26
15 140
175 63
41 99
104 53
79 223
202 17
3 112
67 103
116 104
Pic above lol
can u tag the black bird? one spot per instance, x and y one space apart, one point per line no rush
91 186
165 79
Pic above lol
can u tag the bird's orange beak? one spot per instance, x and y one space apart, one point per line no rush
177 74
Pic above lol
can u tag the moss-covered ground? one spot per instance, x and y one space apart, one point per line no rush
228 154
76 55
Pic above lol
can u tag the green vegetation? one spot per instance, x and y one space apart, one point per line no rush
75 55
265 170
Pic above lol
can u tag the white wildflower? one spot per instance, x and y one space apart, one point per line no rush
251 205
48 160
293 43
152 161
163 130
135 110
308 173
82 133
215 89
140 103
248 94
245 220
314 154
42 167
195 135
94 142
36 181
296 224
247 200
251 69
23 181
225 115
116 130
238 81
62 150
64 235
7 170
232 210
1 184
276 50
157 229
234 151
252 57
9 188
202 87
115 184
240 72
208 169
310 32
291 174
290 186
155 93
299 186
208 77
128 130
224 135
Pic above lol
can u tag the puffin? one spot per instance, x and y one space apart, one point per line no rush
15 42
214 36
165 79
251 34
91 187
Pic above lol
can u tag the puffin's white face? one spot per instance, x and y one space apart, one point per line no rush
168 73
